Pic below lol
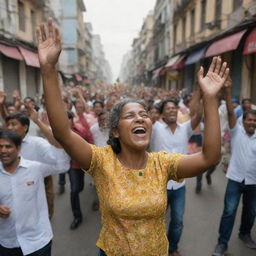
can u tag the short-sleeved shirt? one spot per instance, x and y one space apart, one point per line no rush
164 139
242 165
133 202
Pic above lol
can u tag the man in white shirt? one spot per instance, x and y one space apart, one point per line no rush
100 134
24 223
36 148
100 130
173 137
241 176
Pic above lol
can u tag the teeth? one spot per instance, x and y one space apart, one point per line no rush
139 129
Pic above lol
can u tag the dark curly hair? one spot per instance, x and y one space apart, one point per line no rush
114 118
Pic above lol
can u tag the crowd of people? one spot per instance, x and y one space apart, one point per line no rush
138 153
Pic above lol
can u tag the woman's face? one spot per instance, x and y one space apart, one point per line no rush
135 127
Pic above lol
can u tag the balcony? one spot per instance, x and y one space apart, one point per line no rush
180 7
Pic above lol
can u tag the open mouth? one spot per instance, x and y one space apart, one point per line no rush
139 130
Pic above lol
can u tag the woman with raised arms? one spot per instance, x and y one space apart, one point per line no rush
130 182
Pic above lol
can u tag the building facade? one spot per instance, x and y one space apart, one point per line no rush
188 33
19 65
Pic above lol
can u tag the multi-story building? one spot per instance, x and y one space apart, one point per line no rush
89 67
19 65
137 62
102 69
73 56
204 28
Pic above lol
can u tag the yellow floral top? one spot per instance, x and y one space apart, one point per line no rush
133 202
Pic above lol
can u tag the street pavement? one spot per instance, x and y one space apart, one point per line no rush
201 222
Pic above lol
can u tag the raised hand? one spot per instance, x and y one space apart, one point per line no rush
49 44
215 78
228 83
33 115
2 98
4 212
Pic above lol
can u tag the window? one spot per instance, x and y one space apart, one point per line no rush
184 29
33 23
174 37
203 13
237 4
21 10
192 29
218 10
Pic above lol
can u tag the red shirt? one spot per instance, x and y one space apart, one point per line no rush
86 135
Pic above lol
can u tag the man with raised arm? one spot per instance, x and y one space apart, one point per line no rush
241 176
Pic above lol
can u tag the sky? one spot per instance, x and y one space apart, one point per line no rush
118 22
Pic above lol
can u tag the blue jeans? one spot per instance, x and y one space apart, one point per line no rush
233 193
176 200
102 253
45 251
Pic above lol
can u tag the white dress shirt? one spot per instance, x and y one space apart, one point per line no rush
164 139
36 148
242 165
100 136
23 191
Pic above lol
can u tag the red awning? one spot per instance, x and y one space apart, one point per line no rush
31 58
226 44
11 52
78 78
180 63
250 43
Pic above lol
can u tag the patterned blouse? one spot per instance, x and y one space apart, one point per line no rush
133 202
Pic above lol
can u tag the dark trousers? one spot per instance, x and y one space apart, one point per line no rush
176 200
208 173
62 179
233 193
76 177
45 251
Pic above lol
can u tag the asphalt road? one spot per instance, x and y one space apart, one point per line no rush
201 222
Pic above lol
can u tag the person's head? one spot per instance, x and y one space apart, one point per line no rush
235 102
18 122
79 106
10 144
169 111
103 119
187 99
246 104
111 101
98 106
130 125
249 121
10 108
154 113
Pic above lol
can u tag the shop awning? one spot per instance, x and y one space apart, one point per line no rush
172 60
226 44
180 63
31 58
250 43
195 56
78 78
11 52
156 73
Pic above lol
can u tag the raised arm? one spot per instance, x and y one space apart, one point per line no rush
211 84
230 109
3 109
196 108
49 49
45 129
